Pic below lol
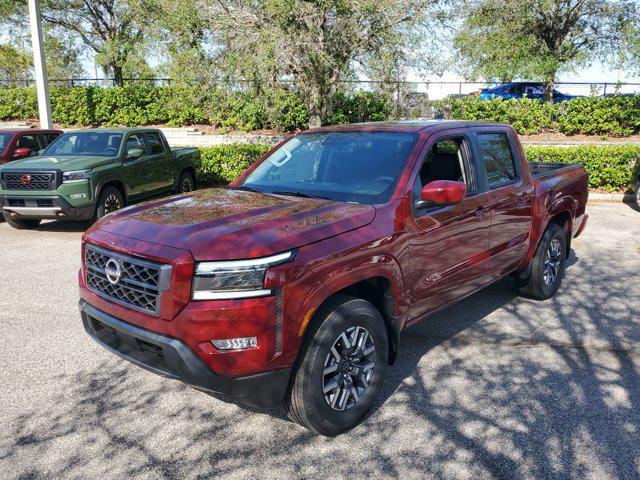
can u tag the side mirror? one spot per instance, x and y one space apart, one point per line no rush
21 152
441 192
134 153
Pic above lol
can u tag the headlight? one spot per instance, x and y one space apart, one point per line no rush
78 176
236 278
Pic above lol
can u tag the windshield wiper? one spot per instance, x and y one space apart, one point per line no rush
299 194
246 189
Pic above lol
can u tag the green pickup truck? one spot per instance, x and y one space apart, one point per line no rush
87 174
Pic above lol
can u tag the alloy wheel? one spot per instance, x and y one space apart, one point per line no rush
552 262
111 204
187 184
348 368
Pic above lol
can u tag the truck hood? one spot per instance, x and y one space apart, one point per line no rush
226 224
66 164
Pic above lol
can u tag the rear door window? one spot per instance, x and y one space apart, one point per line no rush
154 142
497 158
136 141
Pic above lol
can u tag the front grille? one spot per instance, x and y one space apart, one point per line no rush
44 202
13 202
29 180
139 285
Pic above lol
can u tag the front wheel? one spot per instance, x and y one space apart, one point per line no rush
109 201
341 369
547 265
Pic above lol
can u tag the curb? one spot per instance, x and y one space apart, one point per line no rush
611 197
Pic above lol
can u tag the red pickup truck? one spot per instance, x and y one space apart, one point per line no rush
18 144
292 285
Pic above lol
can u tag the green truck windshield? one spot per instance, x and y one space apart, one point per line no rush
102 144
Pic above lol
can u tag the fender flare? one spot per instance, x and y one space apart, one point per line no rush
343 278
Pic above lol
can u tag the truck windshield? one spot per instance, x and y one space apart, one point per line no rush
103 144
358 167
4 141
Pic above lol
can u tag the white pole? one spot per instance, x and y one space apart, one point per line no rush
42 82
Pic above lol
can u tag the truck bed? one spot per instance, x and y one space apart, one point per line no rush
544 169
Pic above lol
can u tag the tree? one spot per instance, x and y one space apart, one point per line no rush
15 65
112 29
628 46
504 39
63 58
315 43
182 31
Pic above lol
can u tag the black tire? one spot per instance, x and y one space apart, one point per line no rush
186 183
547 265
22 223
638 196
306 402
109 201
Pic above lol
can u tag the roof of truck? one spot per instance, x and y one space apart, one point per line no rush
406 126
29 130
115 129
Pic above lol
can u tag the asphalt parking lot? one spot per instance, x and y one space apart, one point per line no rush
496 386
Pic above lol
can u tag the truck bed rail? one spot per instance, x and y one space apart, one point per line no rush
542 169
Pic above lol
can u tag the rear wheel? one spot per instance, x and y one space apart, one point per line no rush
22 223
341 369
186 183
547 266
109 201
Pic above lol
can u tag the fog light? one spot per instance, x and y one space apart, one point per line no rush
235 343
76 196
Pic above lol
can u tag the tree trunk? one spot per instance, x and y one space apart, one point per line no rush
548 88
315 119
118 76
316 106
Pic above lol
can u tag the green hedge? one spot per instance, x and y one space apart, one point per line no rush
282 110
224 163
616 116
610 168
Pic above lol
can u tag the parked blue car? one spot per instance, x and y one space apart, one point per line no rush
521 90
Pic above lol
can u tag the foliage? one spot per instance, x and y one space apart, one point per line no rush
112 29
363 106
242 110
15 65
316 43
224 163
537 39
610 167
617 116
63 58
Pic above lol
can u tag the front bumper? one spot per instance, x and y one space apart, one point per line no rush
170 357
44 206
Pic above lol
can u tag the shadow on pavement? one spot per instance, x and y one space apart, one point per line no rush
467 398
